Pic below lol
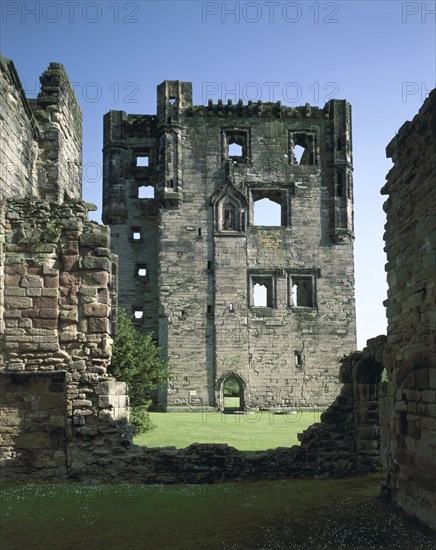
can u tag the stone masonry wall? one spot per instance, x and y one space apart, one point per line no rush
345 442
40 139
58 405
410 357
191 253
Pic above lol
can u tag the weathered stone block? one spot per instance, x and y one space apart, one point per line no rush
95 310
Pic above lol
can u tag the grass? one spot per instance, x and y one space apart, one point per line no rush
293 514
246 432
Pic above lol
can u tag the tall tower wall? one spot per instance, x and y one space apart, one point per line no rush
203 253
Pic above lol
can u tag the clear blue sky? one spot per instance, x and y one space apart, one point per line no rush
380 56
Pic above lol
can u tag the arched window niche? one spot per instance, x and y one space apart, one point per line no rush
230 208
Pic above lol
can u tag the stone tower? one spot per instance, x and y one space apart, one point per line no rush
181 193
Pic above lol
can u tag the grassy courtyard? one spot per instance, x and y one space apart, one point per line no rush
246 432
288 515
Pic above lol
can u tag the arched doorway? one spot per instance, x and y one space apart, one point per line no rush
232 394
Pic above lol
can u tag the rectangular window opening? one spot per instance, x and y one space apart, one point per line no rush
141 270
138 313
136 233
262 291
302 148
142 161
298 359
302 291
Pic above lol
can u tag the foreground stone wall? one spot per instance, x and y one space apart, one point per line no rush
41 139
56 274
410 357
345 442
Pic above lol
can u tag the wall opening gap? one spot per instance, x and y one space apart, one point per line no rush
146 192
267 212
260 294
142 161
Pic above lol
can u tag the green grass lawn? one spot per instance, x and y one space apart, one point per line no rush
246 432
292 514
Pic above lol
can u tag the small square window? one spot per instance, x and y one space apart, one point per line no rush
142 161
235 145
138 313
136 234
141 270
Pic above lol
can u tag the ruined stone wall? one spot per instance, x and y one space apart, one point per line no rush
191 255
410 358
346 442
41 139
58 405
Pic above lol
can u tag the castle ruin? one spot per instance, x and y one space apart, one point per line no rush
180 193
63 418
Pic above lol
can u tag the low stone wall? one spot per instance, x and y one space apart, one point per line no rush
345 442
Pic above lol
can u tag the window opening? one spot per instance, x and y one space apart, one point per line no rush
172 100
298 358
199 231
142 161
209 265
340 184
302 292
267 212
298 153
146 192
138 314
136 233
141 271
302 148
235 150
235 145
209 310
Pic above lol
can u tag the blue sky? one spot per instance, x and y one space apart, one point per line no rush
378 55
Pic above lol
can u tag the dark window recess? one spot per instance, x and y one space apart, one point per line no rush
199 231
298 358
209 265
340 183
302 292
209 310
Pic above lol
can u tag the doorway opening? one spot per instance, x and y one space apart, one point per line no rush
232 394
